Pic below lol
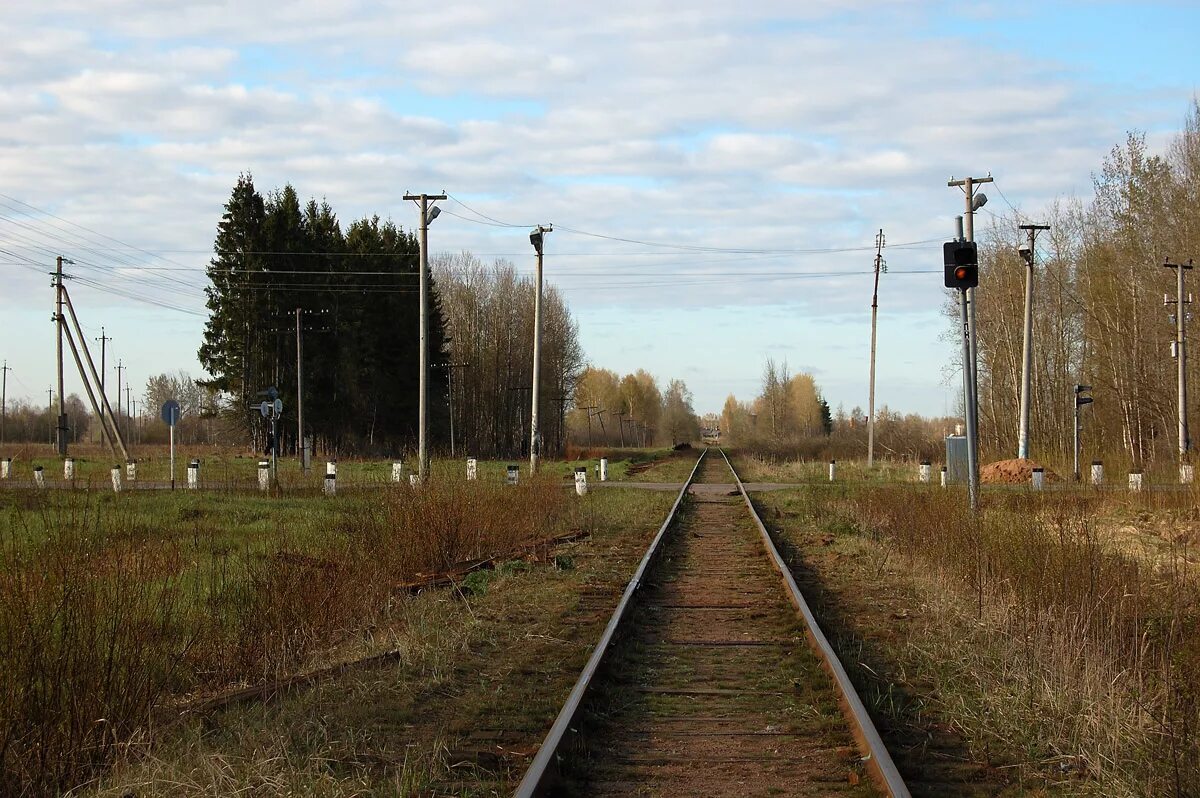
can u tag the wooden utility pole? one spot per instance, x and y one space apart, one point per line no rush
3 398
620 414
1180 345
300 445
880 241
450 367
103 339
427 215
58 323
119 367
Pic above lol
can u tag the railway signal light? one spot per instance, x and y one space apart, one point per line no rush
962 264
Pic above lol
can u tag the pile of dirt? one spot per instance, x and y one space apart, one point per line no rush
1018 471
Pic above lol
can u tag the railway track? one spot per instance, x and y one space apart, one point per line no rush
712 676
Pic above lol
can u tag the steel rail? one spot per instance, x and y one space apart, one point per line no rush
539 768
878 761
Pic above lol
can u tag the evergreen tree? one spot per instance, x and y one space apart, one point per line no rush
232 348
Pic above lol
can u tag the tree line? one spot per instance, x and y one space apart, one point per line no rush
354 296
631 410
1099 315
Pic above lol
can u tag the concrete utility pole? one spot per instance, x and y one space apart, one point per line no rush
50 412
1029 254
427 215
973 203
3 398
537 238
880 241
1180 343
128 407
59 322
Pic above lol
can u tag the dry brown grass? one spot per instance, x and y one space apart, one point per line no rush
1047 637
103 621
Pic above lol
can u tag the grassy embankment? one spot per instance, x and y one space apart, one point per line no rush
237 470
1062 655
118 610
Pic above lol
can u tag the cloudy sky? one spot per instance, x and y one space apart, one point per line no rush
716 172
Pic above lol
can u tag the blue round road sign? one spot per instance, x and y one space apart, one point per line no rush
170 412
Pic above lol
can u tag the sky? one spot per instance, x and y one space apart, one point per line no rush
716 173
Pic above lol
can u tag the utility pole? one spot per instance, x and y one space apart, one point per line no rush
536 238
450 367
973 203
300 445
103 339
427 215
620 414
128 406
880 241
117 421
1029 254
50 412
1180 347
59 324
588 410
3 398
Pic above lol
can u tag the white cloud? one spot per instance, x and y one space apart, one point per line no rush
775 125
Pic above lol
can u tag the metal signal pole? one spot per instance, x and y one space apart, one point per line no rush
973 203
1185 443
537 237
427 216
879 244
1029 253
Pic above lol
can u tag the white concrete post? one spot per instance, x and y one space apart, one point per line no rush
604 469
38 477
330 483
943 476
832 470
116 478
414 479
1135 480
397 471
6 468
472 468
331 467
1038 478
1187 473
514 475
69 469
1097 472
131 470
581 481
264 474
924 471
193 475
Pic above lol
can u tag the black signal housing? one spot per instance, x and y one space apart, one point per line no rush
962 264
